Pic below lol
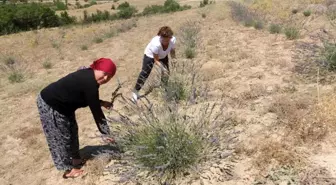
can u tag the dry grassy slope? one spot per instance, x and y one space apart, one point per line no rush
249 68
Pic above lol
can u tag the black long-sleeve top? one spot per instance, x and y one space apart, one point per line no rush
76 90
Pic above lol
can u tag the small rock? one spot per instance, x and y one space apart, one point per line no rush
213 170
284 183
269 89
205 182
332 8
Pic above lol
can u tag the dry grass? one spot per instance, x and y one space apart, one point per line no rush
96 166
317 175
276 154
305 121
254 92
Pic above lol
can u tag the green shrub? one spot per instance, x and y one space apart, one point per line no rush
258 25
329 54
190 52
153 9
78 5
249 23
113 7
127 12
98 40
10 61
93 2
115 1
307 13
171 6
54 44
168 6
47 65
24 17
175 89
167 146
123 5
84 47
204 3
292 33
65 19
295 11
98 16
274 28
15 77
167 142
60 5
241 13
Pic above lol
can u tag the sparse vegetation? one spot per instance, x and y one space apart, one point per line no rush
111 33
47 65
98 16
84 47
15 77
241 13
295 11
189 37
176 89
169 6
55 45
329 54
307 13
258 25
65 19
190 52
126 11
124 5
10 61
331 15
274 28
98 40
125 26
292 33
249 23
203 3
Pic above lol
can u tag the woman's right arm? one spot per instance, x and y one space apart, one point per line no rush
157 59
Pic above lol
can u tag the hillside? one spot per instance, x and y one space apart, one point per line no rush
277 94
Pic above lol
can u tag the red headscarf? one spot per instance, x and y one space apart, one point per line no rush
104 64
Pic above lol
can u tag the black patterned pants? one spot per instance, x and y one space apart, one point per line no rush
61 133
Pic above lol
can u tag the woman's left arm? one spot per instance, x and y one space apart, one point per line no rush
92 97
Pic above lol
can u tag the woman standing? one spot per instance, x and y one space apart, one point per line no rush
57 104
156 52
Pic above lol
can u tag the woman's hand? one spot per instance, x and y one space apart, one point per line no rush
106 104
108 140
